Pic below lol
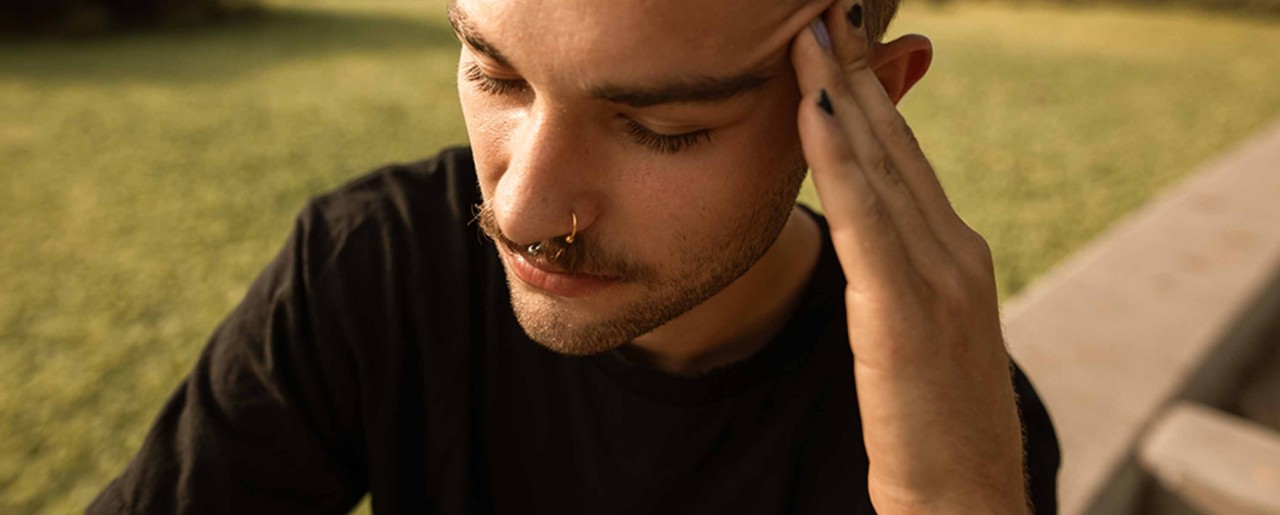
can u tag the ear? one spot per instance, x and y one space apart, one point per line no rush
900 63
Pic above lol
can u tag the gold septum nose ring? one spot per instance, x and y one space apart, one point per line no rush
536 248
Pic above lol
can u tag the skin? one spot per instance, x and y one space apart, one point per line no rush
715 251
939 416
940 420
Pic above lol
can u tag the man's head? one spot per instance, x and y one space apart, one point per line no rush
667 128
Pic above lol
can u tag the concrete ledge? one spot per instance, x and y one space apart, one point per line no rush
1129 323
1214 461
1258 399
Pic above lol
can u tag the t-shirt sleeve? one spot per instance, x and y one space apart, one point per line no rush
267 422
1043 455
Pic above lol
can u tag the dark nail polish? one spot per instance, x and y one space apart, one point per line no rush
855 16
824 102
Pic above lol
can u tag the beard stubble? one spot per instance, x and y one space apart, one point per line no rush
701 272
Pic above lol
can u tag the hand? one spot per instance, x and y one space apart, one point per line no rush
939 416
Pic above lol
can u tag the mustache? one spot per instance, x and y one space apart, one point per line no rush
583 256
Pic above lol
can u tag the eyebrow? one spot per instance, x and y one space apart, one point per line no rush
692 89
468 33
684 90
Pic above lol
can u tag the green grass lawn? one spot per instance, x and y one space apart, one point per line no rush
148 177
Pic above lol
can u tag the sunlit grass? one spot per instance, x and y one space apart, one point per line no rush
1048 124
148 177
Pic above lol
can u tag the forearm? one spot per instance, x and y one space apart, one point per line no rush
970 466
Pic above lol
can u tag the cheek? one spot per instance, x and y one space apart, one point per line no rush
748 167
775 138
488 128
762 153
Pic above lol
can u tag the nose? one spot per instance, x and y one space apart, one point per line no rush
548 180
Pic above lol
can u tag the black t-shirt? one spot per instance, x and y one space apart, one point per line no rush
378 352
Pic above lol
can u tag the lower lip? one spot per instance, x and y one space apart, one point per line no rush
564 285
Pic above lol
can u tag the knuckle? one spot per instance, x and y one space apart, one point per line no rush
904 132
854 65
878 162
896 129
891 173
889 125
978 253
975 243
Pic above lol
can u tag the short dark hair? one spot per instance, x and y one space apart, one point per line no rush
876 17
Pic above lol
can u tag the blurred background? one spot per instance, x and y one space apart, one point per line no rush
154 152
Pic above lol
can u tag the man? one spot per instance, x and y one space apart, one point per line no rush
653 324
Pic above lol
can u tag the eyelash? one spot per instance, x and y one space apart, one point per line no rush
666 143
661 143
493 86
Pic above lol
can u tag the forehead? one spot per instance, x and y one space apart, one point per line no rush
635 39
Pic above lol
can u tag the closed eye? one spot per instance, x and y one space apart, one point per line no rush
655 141
665 143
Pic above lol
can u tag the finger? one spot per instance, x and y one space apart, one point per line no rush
851 49
863 233
865 238
816 68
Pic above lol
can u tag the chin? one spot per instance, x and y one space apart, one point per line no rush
580 328
575 328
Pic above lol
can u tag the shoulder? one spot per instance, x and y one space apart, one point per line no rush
443 185
388 241
392 213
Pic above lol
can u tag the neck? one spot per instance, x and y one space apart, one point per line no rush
743 317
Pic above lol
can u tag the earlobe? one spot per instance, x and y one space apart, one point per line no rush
900 63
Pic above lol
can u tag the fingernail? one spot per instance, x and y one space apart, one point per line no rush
820 33
855 15
824 102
